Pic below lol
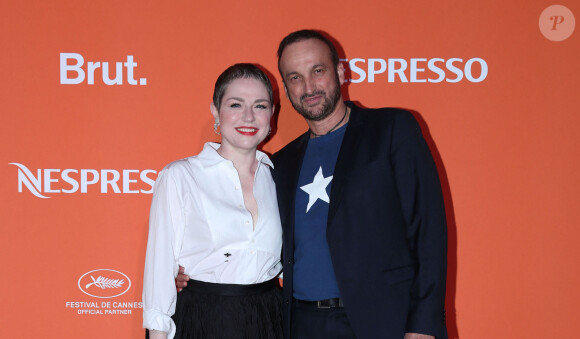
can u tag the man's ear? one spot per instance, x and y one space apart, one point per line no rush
340 72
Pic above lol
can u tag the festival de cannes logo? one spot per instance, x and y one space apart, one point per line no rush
104 283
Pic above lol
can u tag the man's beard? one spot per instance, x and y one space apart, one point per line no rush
328 104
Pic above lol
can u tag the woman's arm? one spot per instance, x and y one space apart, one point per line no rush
165 230
154 334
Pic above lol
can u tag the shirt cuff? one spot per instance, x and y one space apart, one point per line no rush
155 320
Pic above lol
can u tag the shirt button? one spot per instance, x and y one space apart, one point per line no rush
237 188
247 222
253 241
252 252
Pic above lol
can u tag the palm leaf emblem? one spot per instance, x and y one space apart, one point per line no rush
104 283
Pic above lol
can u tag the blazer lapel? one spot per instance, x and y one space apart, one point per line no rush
346 155
289 181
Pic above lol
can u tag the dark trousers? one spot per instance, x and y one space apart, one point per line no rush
308 321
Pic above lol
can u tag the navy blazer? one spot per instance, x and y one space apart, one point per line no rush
386 228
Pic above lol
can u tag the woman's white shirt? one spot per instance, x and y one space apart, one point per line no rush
198 220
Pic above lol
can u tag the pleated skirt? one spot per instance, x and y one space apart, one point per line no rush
210 310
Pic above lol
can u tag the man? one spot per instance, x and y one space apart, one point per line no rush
362 212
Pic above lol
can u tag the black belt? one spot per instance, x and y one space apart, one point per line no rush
326 303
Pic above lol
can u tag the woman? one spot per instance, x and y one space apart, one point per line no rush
216 214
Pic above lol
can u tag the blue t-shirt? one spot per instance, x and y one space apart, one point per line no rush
314 277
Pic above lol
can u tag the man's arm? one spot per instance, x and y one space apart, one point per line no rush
421 197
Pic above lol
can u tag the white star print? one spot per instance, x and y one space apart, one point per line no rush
317 189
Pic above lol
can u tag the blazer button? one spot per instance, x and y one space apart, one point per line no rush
287 301
289 261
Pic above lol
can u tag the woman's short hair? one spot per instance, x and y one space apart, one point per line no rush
239 71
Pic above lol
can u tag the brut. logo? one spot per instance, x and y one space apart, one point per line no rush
72 71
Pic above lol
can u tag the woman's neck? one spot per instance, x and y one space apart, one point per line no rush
244 161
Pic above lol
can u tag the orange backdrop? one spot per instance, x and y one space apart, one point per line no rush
499 107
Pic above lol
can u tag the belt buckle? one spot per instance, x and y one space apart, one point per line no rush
320 305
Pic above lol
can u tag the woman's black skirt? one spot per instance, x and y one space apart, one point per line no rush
229 311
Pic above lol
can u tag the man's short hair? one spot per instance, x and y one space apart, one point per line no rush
239 71
306 34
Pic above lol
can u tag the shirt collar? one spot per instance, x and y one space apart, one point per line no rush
210 157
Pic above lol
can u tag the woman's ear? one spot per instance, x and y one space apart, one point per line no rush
215 113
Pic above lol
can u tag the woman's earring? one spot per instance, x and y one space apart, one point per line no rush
215 128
